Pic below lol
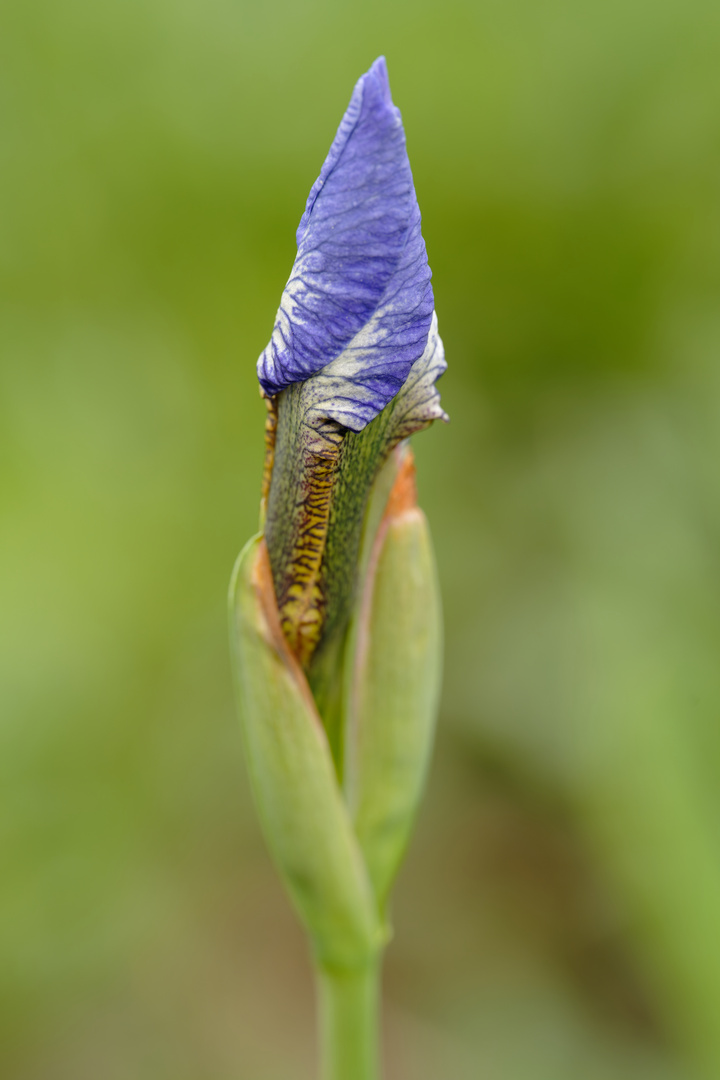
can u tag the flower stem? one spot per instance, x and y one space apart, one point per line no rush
348 1006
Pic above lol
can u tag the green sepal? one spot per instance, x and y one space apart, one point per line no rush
393 669
299 801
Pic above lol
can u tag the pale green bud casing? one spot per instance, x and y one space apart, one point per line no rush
338 847
303 815
393 684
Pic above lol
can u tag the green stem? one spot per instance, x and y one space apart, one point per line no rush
349 1005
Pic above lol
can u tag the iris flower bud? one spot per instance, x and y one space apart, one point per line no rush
358 305
350 368
334 609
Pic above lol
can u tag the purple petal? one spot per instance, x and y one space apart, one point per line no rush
359 296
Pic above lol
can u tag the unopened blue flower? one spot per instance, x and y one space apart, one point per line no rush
356 312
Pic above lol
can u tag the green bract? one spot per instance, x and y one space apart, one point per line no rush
304 818
338 841
392 692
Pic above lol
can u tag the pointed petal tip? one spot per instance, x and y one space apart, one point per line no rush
376 84
379 73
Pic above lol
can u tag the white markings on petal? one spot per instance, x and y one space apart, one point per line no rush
341 392
418 402
358 303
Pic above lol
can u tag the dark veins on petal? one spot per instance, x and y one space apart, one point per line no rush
359 293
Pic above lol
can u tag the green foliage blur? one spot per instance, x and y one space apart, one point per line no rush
559 913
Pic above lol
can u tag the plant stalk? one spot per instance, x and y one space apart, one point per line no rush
348 1003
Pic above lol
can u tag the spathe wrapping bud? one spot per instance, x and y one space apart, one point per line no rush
392 682
305 820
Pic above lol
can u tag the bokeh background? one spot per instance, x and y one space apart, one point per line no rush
559 913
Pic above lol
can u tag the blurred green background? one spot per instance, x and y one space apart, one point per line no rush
559 913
